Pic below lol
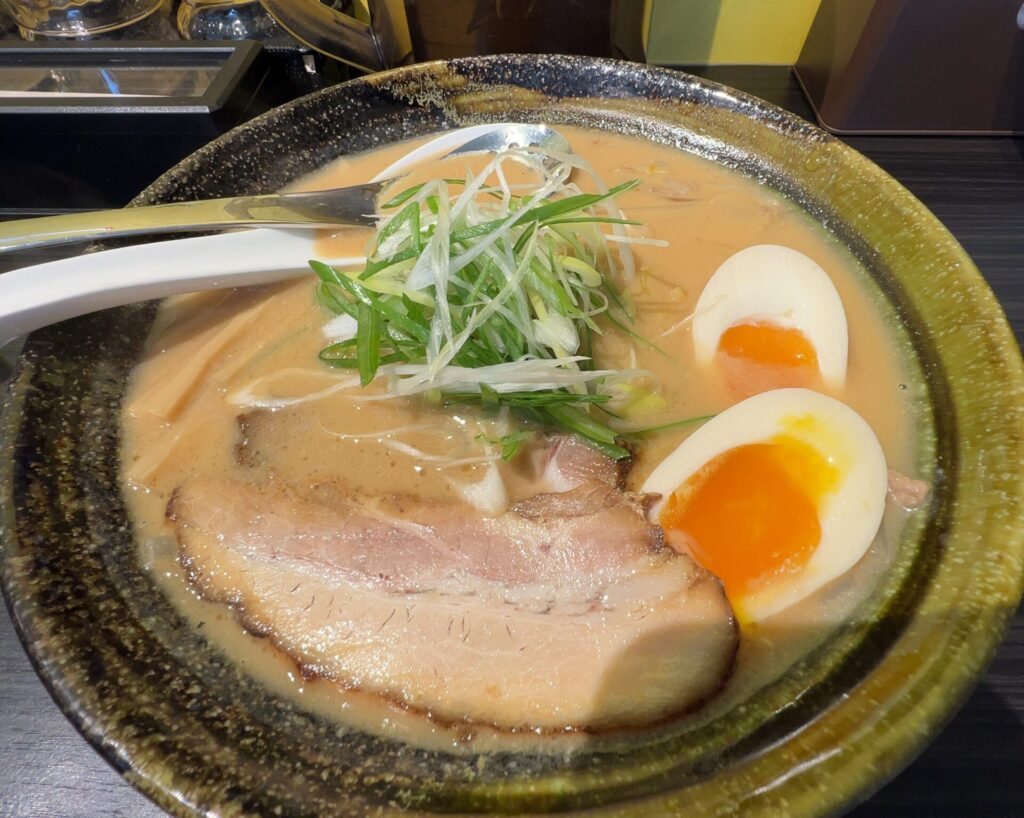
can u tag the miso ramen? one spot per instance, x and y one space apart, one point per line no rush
576 444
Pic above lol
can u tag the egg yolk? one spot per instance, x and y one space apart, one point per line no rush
768 344
751 513
760 356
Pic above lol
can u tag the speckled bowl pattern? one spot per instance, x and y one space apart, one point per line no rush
199 737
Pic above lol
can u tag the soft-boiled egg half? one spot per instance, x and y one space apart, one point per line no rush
771 317
777 496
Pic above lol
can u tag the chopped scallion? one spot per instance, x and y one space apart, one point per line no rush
475 295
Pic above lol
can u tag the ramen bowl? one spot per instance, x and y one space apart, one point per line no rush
199 736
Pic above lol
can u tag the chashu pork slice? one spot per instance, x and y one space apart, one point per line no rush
565 612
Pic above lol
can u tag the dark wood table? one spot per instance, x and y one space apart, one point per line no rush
975 185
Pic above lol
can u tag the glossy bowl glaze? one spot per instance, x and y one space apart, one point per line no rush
198 736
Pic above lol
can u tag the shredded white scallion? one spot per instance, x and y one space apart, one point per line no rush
532 375
493 288
249 396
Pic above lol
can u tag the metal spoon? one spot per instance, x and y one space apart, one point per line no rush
347 206
32 297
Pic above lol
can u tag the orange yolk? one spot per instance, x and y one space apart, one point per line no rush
752 512
761 356
769 345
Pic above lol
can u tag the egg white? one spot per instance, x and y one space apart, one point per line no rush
849 515
776 284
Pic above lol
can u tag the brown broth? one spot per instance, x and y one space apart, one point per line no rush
206 348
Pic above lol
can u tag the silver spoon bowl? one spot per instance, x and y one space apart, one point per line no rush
348 206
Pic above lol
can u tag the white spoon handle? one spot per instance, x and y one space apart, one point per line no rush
33 297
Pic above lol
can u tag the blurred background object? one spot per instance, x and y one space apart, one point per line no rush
916 66
888 66
76 18
376 34
442 29
86 125
6 22
227 20
727 32
371 35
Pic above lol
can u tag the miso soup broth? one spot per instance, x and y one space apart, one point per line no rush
242 449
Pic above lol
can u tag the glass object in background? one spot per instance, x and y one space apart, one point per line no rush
90 80
369 34
76 18
227 20
378 34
